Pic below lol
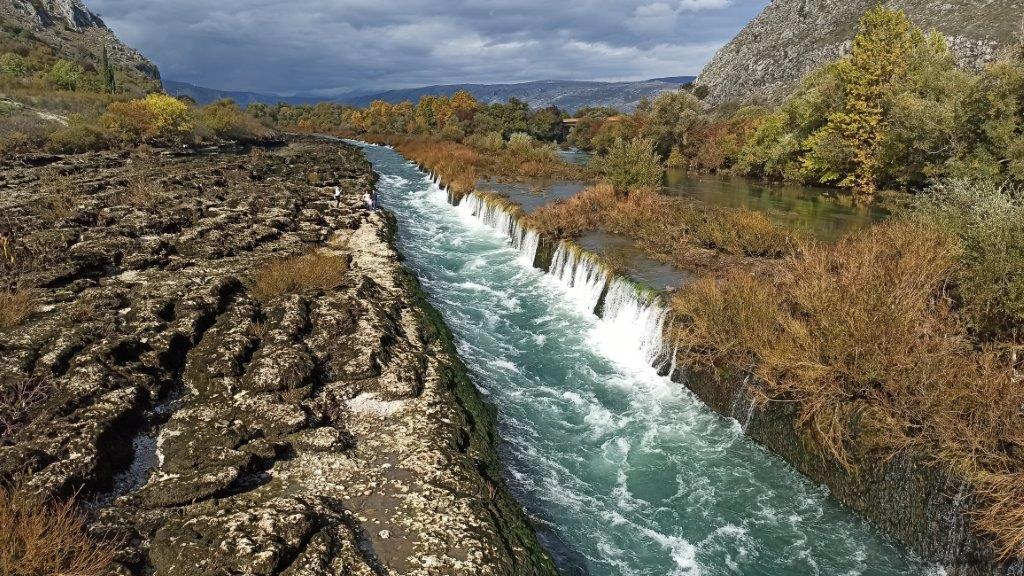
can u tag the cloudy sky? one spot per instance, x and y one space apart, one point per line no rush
331 46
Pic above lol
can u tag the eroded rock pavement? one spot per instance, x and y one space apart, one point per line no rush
318 431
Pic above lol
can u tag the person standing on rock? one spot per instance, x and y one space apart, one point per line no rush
368 201
337 197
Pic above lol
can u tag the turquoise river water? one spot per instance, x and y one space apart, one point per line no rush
623 471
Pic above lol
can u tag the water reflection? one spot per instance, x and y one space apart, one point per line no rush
821 212
533 195
623 254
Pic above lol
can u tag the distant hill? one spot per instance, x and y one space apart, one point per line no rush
566 94
793 37
205 95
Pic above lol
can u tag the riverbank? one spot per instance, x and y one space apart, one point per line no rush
928 506
231 373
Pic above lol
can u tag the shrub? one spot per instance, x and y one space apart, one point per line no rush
630 165
40 538
65 74
227 120
741 232
15 307
988 221
77 138
491 142
313 271
12 64
860 333
20 397
571 218
157 117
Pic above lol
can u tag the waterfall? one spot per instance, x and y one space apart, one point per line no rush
636 319
581 273
633 319
501 220
526 240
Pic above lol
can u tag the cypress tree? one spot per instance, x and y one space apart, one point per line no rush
109 82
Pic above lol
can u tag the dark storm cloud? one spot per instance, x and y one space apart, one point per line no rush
336 45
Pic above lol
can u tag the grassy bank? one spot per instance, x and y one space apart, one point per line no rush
909 332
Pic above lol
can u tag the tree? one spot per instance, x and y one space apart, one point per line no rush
879 55
65 74
630 164
673 119
13 64
546 124
107 70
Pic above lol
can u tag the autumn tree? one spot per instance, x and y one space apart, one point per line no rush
880 54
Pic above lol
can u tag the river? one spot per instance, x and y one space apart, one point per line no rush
624 472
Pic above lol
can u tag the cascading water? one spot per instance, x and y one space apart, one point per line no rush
625 472
635 320
581 274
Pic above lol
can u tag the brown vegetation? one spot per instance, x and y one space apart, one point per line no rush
15 307
312 271
19 400
863 334
663 225
39 538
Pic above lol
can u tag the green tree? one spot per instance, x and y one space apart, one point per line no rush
674 119
107 71
880 54
65 74
630 164
12 64
546 124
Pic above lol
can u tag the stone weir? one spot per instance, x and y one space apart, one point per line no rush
218 416
924 505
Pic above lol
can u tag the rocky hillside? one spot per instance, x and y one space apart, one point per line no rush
235 375
70 28
793 37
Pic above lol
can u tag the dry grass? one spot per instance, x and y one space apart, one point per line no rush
455 163
142 192
313 271
39 538
15 307
461 166
571 218
862 335
19 400
663 225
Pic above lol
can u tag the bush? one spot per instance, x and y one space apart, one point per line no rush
14 65
15 307
491 142
65 75
862 339
630 165
77 138
42 539
226 120
158 117
988 221
313 271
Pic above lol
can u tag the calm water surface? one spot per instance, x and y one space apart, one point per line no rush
624 472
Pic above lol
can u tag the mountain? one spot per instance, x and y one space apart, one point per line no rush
793 37
205 95
566 94
73 31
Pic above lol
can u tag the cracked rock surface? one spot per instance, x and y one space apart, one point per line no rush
211 431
